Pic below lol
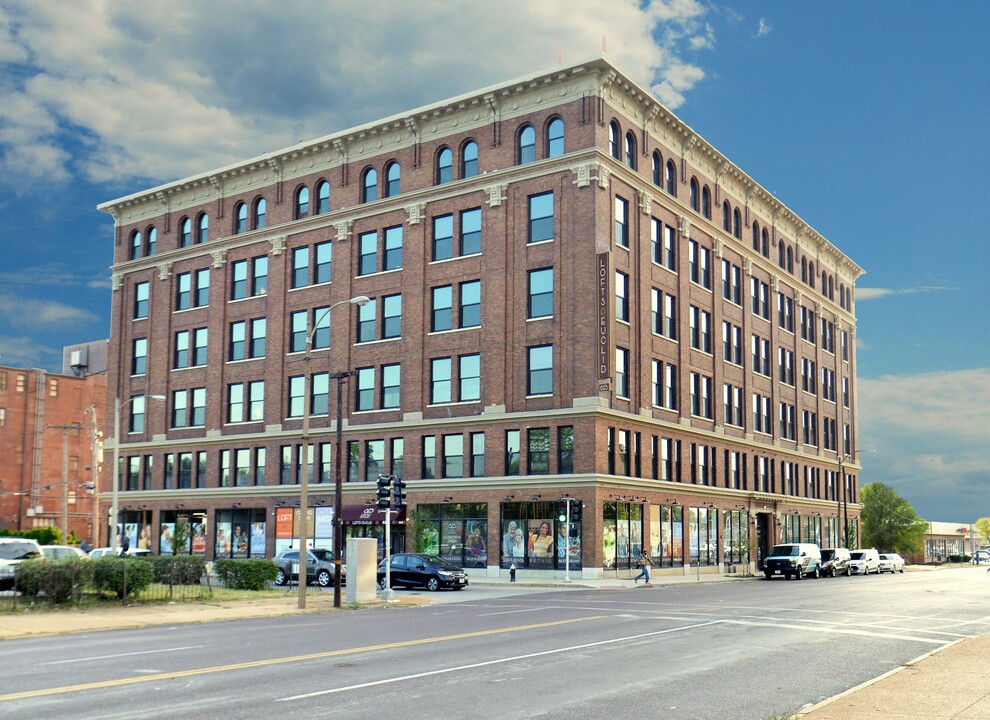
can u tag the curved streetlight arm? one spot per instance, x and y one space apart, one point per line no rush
359 300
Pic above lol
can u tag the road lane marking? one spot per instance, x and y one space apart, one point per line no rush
119 682
834 631
120 655
500 661
512 612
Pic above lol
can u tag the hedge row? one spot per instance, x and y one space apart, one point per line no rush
246 574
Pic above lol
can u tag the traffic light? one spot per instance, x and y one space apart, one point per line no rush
575 512
383 491
398 494
562 510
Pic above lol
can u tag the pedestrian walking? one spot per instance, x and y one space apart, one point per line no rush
84 546
644 569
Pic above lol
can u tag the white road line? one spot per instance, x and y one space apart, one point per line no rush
488 663
837 631
512 612
120 655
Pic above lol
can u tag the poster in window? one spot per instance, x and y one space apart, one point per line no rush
222 547
239 540
513 543
476 552
199 538
540 544
165 541
452 540
258 539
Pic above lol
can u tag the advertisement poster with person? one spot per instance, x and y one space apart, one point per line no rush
476 554
258 539
608 544
165 541
540 545
239 541
131 531
199 538
222 548
513 543
635 538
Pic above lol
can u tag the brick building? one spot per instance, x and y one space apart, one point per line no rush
571 294
43 481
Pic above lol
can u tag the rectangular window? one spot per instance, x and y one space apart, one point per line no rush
453 456
136 424
236 351
785 312
761 414
259 278
238 279
512 440
807 324
809 427
663 244
470 304
621 296
471 231
787 421
391 316
391 381
443 237
622 372
701 395
441 316
809 380
670 386
699 264
297 391
323 268
699 325
180 357
429 457
538 456
398 449
183 291
477 454
141 294
139 356
539 377
235 403
828 336
259 466
202 297
367 253
760 294
732 406
540 293
300 267
256 400
761 355
365 389
258 337
565 449
366 315
440 380
393 248
540 226
732 343
731 282
374 459
469 371
785 366
621 222
199 346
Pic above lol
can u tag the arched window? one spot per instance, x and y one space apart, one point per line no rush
369 185
782 256
670 179
322 197
756 237
695 196
137 242
630 148
804 270
790 261
842 296
392 176
302 202
737 224
203 235
152 245
811 274
185 232
831 288
613 139
555 138
765 243
706 202
260 213
657 168
240 218
726 216
445 166
469 159
526 147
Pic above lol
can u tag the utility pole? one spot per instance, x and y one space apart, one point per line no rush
65 479
94 436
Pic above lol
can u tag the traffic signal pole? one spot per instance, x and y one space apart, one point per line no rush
567 544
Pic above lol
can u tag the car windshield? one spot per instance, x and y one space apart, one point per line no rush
18 551
438 561
828 554
856 556
785 551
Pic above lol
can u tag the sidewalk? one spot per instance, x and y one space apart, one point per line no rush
946 684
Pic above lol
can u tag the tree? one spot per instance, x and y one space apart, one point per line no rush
983 528
889 521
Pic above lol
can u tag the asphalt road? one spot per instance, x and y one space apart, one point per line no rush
746 650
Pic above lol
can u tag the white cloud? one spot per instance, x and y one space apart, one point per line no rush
24 352
25 312
121 91
764 28
926 435
868 293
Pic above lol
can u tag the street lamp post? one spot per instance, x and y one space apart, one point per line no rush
843 501
304 481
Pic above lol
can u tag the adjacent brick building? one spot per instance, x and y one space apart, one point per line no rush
572 295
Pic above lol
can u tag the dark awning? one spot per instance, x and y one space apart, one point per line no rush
368 515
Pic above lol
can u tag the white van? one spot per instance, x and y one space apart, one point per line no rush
863 561
795 560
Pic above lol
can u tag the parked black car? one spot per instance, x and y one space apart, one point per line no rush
423 570
835 561
319 567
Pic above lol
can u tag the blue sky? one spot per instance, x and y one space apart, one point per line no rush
869 120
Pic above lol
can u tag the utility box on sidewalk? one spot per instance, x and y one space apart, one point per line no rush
362 570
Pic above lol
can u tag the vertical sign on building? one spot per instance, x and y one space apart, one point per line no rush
604 344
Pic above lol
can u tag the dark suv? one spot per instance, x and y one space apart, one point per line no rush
835 561
423 570
319 567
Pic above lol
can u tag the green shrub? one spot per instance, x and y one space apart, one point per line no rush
246 574
122 575
178 569
42 536
57 581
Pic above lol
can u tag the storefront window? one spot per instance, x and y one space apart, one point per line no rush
532 537
735 536
703 539
182 532
790 528
667 535
240 533
622 534
458 532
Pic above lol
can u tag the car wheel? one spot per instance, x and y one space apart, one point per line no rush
281 578
323 578
381 583
902 571
817 574
433 584
847 572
